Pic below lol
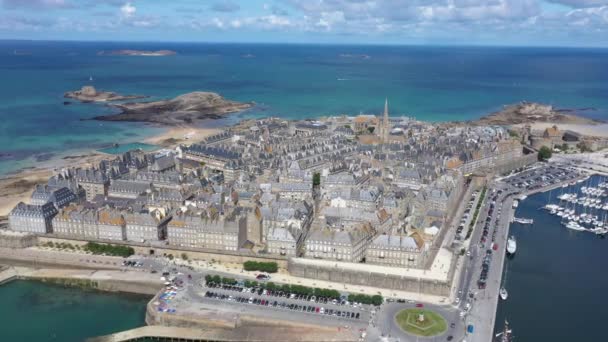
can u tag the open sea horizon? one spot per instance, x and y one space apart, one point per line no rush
294 81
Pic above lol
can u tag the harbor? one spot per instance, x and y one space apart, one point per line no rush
582 208
552 264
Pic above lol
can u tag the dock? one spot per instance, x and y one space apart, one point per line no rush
523 220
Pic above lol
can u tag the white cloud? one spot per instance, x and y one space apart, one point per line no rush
127 10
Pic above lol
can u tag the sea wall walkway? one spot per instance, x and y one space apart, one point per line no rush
251 334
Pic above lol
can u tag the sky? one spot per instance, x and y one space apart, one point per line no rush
436 22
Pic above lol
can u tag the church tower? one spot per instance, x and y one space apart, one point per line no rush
385 123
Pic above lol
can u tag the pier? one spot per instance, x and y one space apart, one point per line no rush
259 333
523 220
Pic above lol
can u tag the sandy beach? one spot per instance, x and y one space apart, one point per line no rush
181 135
17 187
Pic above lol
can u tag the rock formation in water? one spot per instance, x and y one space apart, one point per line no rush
184 109
90 94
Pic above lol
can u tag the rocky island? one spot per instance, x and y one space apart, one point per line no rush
136 53
90 94
184 109
529 113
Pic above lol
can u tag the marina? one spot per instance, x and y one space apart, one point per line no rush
582 208
551 264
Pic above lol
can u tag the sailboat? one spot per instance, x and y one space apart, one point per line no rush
91 78
505 335
503 293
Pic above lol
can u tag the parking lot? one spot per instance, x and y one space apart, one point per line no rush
296 303
540 177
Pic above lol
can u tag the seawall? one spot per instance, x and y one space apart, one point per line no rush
102 280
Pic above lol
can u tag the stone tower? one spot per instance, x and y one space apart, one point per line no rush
385 123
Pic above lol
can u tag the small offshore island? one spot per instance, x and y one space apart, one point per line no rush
341 228
90 94
184 109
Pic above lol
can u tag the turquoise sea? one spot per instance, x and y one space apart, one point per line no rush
37 312
292 81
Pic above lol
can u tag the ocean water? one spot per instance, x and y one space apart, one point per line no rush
557 280
291 81
37 312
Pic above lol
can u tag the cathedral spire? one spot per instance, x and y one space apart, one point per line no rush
385 122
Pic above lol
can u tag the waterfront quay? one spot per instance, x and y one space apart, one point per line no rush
479 311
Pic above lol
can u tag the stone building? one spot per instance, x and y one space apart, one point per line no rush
60 197
395 250
339 244
111 224
76 221
146 226
30 218
283 241
94 182
120 188
191 230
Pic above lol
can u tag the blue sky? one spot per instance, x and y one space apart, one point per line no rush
484 22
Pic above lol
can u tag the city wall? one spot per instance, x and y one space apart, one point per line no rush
192 253
387 281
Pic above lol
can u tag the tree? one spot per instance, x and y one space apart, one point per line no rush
316 179
544 153
371 130
184 256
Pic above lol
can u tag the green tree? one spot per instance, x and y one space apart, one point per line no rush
184 256
544 153
316 179
371 130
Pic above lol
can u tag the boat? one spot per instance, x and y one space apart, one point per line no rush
503 293
506 335
511 245
515 204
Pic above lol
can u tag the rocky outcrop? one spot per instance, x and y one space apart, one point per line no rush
528 112
136 53
90 94
184 109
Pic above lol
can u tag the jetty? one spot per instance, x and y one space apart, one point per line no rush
259 333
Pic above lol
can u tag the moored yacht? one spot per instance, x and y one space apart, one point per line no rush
503 293
511 245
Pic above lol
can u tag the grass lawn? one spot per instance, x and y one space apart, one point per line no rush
432 325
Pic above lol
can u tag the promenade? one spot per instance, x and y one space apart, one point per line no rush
211 335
